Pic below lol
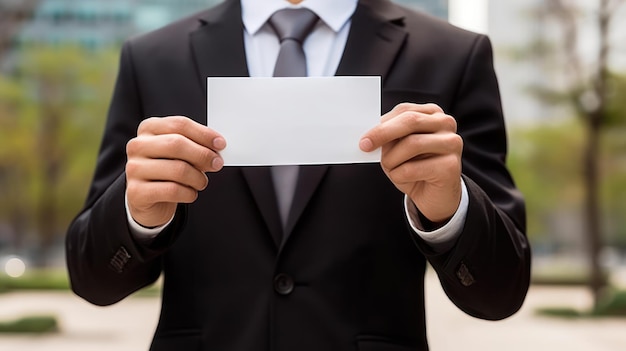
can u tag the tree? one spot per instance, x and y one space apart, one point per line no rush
51 117
546 151
12 15
588 88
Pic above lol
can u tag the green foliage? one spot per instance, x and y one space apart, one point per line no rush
562 312
55 280
51 118
31 324
616 106
36 280
612 305
546 163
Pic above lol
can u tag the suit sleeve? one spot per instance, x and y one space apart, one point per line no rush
487 271
105 262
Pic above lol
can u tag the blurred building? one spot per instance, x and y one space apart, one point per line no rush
97 23
436 7
512 29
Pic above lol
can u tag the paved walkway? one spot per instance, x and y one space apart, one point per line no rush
128 326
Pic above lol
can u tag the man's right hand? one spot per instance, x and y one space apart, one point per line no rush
166 166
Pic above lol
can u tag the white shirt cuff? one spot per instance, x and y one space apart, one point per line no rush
139 231
442 238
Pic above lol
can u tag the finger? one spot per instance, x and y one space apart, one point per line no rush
185 126
174 147
437 169
145 194
429 109
404 124
176 171
420 146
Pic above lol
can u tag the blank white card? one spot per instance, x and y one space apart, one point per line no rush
293 120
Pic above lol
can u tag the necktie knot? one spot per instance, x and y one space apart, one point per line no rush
293 24
291 27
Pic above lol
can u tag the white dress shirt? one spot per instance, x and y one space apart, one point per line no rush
323 49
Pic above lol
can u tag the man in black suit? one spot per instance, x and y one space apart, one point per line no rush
346 271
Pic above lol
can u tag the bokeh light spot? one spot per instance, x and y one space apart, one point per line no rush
15 267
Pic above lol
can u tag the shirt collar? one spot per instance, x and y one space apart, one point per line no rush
335 13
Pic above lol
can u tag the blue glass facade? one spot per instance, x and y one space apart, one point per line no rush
436 7
97 23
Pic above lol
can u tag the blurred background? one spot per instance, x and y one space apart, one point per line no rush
562 71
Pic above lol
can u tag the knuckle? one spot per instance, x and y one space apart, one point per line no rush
456 143
412 119
206 158
173 142
385 164
178 122
146 124
402 174
179 170
403 107
132 147
133 191
416 142
185 194
451 164
449 122
170 190
132 168
433 108
453 144
193 196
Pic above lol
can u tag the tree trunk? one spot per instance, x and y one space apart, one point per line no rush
12 16
592 209
594 120
50 162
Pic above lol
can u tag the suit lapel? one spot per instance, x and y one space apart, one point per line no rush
218 51
259 180
217 45
308 181
376 36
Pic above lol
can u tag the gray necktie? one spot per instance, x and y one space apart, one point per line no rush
291 26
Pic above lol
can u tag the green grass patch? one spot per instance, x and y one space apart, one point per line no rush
561 312
560 276
153 290
55 280
560 280
612 305
31 324
36 280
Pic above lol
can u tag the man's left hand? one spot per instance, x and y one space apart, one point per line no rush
421 155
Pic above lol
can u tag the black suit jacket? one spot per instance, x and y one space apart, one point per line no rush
350 274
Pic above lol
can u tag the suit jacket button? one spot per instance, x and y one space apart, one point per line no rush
283 284
465 277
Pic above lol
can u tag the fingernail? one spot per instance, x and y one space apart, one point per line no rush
366 144
219 143
217 163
